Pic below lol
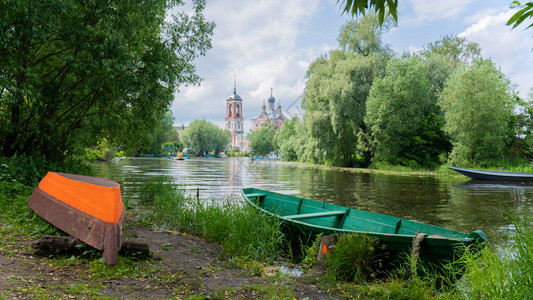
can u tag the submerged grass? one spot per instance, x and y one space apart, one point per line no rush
238 228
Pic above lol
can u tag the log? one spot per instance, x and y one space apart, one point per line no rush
68 245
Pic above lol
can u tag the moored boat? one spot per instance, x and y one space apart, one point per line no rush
492 175
88 208
310 218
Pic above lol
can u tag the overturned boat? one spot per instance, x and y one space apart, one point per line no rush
88 208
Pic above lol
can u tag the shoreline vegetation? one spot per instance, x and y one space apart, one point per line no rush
239 239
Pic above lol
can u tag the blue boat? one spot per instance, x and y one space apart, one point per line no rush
492 175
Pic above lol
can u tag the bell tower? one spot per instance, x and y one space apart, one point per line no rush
234 119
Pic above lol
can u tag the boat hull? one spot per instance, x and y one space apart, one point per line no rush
490 175
55 200
304 219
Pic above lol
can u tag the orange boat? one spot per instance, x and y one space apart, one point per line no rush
88 208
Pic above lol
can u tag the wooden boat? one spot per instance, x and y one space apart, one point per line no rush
309 218
491 175
88 208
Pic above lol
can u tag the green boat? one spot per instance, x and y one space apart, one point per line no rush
310 218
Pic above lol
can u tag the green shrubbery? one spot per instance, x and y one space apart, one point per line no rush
354 258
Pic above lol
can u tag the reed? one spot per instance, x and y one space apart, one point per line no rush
238 228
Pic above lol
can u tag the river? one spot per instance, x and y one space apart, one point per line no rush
453 202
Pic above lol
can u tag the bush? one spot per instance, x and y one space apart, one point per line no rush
354 258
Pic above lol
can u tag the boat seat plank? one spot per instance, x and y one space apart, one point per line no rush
255 195
316 215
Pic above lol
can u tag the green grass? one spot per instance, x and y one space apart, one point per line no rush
14 211
508 275
486 274
354 258
238 228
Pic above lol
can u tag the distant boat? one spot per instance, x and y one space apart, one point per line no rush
88 208
309 217
491 175
207 155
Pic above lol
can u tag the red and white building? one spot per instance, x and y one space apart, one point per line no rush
269 115
234 121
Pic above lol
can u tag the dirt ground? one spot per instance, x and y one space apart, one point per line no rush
183 266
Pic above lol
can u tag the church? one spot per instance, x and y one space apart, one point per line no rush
234 119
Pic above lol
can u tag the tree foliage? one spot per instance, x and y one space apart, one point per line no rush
287 139
202 136
363 36
263 141
356 7
335 103
476 102
526 12
73 72
397 112
336 93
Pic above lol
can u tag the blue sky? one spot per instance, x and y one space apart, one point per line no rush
271 44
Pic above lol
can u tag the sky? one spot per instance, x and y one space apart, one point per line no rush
270 44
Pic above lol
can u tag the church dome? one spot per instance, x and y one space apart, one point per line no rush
271 99
234 97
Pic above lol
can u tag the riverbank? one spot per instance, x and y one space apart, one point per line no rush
188 266
406 171
183 266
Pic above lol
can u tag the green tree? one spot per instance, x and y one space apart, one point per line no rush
287 139
202 136
74 72
262 141
163 131
336 92
335 95
363 36
477 106
399 114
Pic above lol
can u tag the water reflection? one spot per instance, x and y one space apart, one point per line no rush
452 203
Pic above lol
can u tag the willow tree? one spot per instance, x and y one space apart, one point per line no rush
202 136
72 71
477 106
398 113
336 92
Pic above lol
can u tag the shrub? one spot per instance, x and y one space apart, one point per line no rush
354 258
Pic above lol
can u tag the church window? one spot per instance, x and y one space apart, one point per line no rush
229 112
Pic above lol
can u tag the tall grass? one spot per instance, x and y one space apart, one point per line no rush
502 276
241 230
354 258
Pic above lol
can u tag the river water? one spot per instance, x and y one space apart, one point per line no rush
453 202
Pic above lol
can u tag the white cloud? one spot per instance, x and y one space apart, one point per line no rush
432 10
258 42
509 49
